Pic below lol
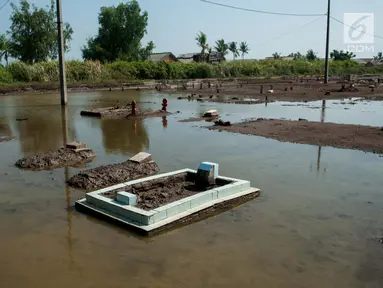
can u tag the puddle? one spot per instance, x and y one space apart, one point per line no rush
317 221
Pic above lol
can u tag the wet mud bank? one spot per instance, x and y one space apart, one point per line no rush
109 175
356 137
159 192
115 111
56 159
250 92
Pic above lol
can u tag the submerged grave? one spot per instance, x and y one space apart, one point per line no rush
73 154
136 167
156 203
115 111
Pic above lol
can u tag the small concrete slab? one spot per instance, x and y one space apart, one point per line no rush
126 198
211 113
76 145
141 157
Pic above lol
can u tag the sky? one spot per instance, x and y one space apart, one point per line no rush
173 24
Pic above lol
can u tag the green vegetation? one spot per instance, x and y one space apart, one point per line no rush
244 49
202 43
120 32
32 36
116 53
221 47
341 55
122 71
233 49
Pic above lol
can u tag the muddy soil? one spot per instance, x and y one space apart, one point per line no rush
151 114
159 192
198 119
115 111
357 137
109 175
55 159
240 92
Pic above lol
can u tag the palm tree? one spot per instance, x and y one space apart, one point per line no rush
202 43
379 56
233 49
311 55
221 47
277 55
4 48
244 49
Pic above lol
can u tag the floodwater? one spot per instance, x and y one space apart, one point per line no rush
317 223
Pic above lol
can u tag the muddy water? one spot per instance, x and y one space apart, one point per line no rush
317 223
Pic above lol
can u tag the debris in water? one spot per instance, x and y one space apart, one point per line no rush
222 123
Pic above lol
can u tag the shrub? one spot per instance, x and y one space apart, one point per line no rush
5 76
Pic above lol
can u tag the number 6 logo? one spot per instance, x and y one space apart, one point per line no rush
359 28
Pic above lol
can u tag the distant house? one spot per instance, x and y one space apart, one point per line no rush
188 57
213 57
163 57
374 62
362 61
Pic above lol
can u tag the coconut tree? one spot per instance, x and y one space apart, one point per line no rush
202 43
244 49
4 48
311 55
221 47
233 49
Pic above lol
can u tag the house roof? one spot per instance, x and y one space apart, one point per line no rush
187 55
158 57
375 62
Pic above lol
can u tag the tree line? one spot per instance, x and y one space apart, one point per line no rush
32 37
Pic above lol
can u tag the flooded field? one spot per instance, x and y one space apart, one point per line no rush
317 223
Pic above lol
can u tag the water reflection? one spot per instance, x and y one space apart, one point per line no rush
319 153
41 131
124 136
323 111
5 132
164 122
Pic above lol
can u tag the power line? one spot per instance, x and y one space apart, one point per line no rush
291 31
375 36
5 4
260 11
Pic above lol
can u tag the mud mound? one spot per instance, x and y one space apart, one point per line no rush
116 111
345 136
109 175
55 159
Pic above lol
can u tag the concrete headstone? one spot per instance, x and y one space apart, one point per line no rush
141 157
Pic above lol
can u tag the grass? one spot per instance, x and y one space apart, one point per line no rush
45 75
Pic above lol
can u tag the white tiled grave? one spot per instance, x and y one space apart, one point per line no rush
158 217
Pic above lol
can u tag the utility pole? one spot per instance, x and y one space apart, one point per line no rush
326 68
63 89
